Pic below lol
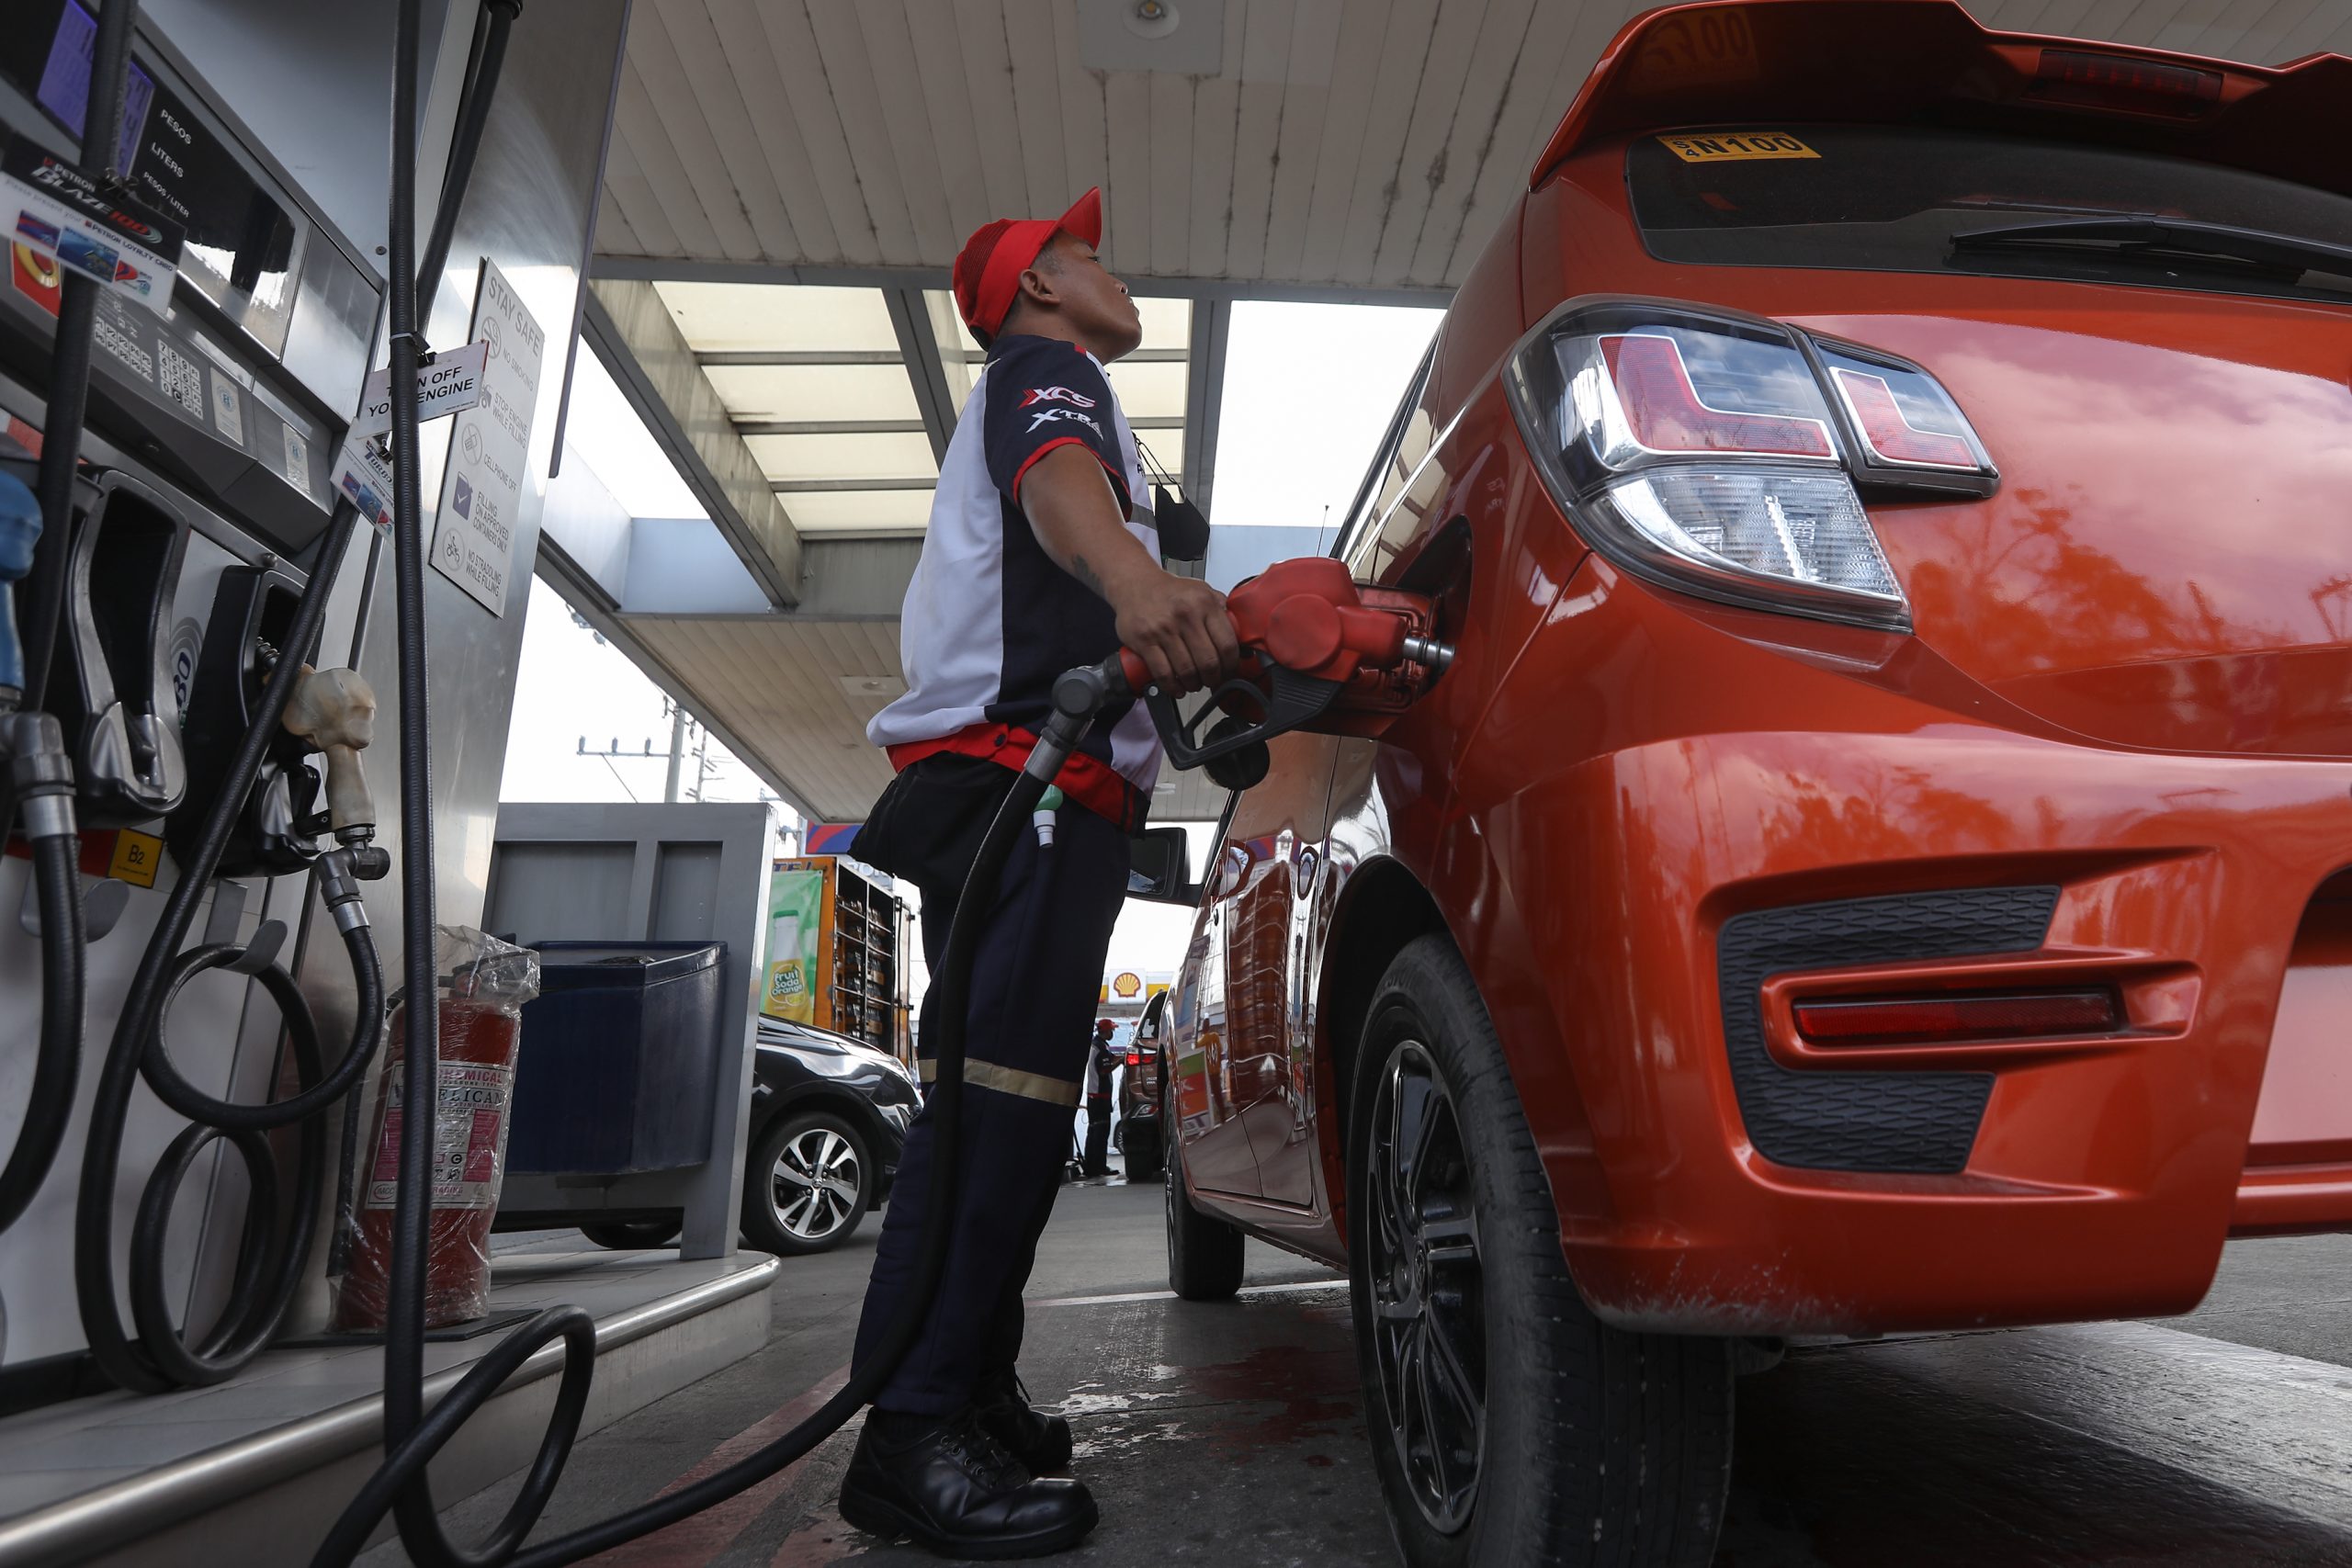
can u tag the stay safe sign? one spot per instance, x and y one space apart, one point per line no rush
490 449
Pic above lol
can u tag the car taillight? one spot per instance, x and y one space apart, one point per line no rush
1932 1019
1719 454
1907 428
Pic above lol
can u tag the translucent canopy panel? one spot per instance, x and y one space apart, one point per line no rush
860 511
1167 324
844 455
735 317
1163 452
1149 391
814 391
948 330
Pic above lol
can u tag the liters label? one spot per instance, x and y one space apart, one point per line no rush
453 382
1736 147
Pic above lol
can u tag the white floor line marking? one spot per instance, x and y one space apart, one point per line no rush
1287 1288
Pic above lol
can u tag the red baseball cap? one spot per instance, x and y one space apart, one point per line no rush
988 269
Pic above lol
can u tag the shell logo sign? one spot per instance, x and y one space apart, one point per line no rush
1130 988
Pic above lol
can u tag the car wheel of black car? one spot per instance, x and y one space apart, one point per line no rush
1595 1446
1204 1253
807 1184
632 1235
1142 1150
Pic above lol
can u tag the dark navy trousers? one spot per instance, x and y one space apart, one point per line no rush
1027 1032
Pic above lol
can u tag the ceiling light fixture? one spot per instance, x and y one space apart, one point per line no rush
1152 18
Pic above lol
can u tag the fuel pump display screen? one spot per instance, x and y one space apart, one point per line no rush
243 250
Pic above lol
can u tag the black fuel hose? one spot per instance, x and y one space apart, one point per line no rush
69 366
412 1437
488 57
57 1067
149 1365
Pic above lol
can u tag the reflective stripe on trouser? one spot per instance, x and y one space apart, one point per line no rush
1034 984
1011 1080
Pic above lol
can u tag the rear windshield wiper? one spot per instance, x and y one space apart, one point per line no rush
2162 239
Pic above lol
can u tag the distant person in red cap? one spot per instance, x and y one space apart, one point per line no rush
1041 555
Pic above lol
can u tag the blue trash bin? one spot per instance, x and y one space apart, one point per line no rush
619 1055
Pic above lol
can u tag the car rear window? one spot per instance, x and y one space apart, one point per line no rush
1891 199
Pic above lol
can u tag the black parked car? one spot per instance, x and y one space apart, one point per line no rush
828 1117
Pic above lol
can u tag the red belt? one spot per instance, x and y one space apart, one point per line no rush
1089 781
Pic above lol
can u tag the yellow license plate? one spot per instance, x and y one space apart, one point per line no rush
1731 147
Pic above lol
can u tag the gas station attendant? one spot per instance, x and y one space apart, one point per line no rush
1041 555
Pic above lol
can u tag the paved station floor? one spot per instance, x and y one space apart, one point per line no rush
1233 1434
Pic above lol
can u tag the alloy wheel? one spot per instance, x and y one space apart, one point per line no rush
1428 1298
814 1186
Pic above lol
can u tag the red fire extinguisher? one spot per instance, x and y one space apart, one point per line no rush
480 1013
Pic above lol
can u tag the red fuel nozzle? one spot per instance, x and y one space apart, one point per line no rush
1319 651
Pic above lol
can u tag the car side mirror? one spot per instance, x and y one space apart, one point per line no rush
1159 868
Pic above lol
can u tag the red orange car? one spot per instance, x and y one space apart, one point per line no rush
1877 860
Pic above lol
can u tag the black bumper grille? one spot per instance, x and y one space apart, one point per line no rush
1919 1123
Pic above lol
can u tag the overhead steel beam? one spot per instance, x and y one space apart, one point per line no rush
649 360
829 426
792 357
790 487
852 576
900 426
1204 397
668 269
1135 356
926 372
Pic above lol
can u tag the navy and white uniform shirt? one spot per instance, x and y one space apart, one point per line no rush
989 619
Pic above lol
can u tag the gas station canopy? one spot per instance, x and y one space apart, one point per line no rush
789 180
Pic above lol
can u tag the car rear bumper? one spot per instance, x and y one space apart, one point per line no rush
1716 1173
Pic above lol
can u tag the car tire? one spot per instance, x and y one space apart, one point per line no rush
784 1211
1142 1151
1204 1253
1600 1446
633 1236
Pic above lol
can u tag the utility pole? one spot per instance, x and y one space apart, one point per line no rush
677 751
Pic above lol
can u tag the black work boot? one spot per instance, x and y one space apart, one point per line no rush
951 1487
1037 1439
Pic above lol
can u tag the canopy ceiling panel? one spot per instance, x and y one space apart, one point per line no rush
815 392
1352 142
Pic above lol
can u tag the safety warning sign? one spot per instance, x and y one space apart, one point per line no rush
468 1136
452 382
481 498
